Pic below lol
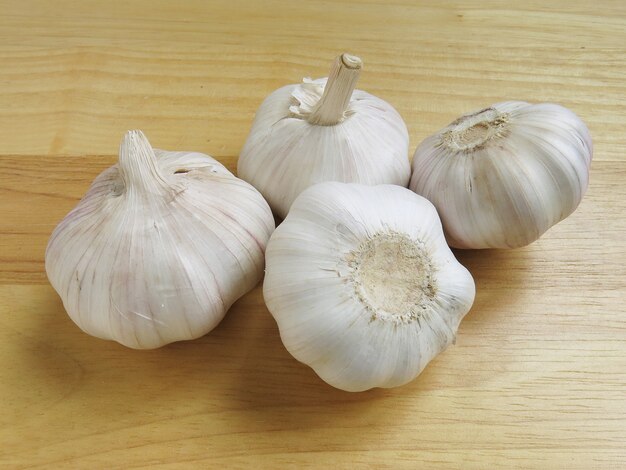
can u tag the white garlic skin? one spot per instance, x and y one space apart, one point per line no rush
530 173
363 286
284 154
159 247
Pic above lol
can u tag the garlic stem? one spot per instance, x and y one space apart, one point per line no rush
138 164
344 74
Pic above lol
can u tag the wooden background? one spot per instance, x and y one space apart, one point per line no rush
537 379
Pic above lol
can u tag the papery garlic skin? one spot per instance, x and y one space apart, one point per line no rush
317 131
159 247
363 286
502 176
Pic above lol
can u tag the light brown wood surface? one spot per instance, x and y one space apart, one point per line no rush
537 379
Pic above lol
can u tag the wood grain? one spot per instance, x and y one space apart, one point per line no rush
537 378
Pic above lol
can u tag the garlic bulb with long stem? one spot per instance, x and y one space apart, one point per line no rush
324 130
362 284
159 248
502 176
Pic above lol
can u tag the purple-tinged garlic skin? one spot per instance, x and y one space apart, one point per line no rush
324 130
502 176
159 248
363 286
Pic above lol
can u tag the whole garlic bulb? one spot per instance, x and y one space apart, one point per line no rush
324 130
362 284
159 248
502 176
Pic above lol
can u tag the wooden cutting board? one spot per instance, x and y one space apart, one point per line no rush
537 379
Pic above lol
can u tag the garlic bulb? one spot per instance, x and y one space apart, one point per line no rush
502 176
324 130
159 248
362 284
